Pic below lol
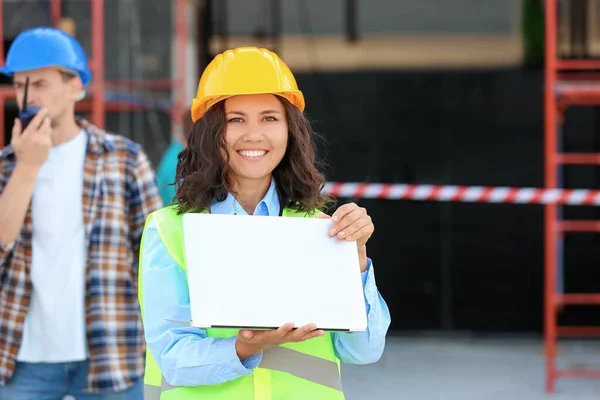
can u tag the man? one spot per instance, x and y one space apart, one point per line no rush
73 202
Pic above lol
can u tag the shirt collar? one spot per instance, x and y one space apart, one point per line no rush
268 206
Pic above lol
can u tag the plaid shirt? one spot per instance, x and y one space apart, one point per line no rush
119 191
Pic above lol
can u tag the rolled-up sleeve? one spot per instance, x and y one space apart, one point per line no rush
5 248
366 347
185 355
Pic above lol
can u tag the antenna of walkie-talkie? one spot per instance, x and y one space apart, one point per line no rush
27 112
24 105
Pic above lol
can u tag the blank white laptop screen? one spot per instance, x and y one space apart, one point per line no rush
261 272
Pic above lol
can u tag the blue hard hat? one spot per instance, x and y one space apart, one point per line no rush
46 47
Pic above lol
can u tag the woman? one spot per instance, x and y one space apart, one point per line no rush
250 151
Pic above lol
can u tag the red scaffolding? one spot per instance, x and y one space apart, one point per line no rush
96 102
567 83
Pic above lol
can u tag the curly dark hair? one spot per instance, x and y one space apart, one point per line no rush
203 167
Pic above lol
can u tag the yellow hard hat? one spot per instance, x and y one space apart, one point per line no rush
245 70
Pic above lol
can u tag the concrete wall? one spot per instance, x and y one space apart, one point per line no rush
139 33
378 16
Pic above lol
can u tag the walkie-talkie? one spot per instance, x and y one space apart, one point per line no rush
27 112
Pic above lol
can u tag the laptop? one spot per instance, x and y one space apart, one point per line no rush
259 272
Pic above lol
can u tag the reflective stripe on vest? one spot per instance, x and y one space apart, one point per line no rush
295 370
311 368
151 392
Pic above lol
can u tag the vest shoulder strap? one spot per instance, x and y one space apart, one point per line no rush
169 225
288 212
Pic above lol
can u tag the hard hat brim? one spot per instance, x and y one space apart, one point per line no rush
6 71
199 107
83 75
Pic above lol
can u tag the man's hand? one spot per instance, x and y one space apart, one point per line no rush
251 342
32 145
31 148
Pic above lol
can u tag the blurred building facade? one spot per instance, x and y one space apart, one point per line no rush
405 91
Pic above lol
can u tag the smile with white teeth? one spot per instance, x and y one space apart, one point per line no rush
252 153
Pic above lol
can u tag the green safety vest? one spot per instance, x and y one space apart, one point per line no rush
305 370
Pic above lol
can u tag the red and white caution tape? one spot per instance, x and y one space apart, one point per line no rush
469 194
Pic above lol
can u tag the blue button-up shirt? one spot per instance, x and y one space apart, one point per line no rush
187 357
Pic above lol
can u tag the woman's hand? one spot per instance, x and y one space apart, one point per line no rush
251 342
352 222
